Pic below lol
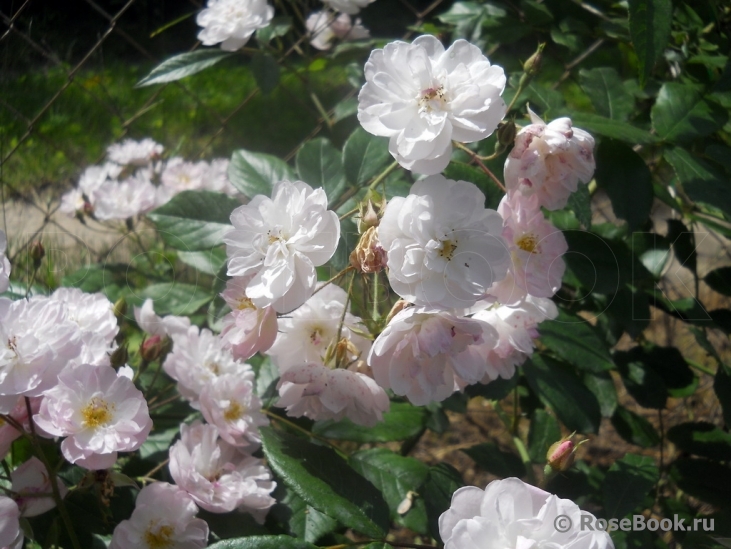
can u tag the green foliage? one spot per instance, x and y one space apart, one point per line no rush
180 66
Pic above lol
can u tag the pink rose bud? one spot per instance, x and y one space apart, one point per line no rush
37 252
153 347
560 455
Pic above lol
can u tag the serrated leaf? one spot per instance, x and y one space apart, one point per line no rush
278 26
575 340
492 459
263 542
319 164
395 476
207 261
719 280
627 483
266 71
607 92
194 220
625 177
174 298
704 479
634 428
681 113
602 385
307 522
326 482
158 442
364 156
616 129
683 242
402 421
568 397
544 431
182 65
256 173
580 203
649 27
442 482
701 439
700 181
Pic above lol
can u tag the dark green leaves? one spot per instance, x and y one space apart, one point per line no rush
681 114
607 93
701 439
182 65
174 298
263 542
306 522
627 483
615 129
544 431
720 280
649 27
364 155
492 459
319 164
568 397
442 482
634 428
700 181
266 71
326 482
194 220
402 421
255 173
624 175
574 340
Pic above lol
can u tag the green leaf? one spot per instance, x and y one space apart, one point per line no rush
722 388
395 476
547 100
344 109
574 339
437 491
263 542
602 385
564 393
625 177
497 389
326 482
266 71
279 26
607 92
681 114
544 431
402 421
207 261
616 129
364 156
174 298
194 220
158 442
641 381
306 522
627 483
492 459
182 65
256 173
704 479
701 439
719 280
460 171
683 242
649 28
580 203
535 13
319 164
634 428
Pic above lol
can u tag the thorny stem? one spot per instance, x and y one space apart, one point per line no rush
147 477
333 279
476 158
51 478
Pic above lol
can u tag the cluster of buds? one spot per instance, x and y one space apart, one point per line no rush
369 256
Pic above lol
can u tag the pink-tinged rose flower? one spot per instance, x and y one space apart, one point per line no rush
99 411
511 513
279 241
317 392
119 200
325 28
29 479
549 160
11 536
516 328
445 248
229 403
232 22
536 250
247 329
427 354
164 517
350 7
422 97
4 263
218 476
152 324
198 358
17 409
134 153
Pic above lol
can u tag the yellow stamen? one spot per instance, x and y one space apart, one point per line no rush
162 539
528 243
447 250
234 411
96 413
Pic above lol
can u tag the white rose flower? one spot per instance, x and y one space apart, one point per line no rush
29 480
152 324
324 28
179 175
82 198
4 264
232 22
511 513
426 355
134 153
216 178
164 517
281 240
423 97
444 247
549 160
351 7
11 534
122 200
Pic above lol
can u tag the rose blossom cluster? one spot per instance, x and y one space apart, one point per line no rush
135 180
212 462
